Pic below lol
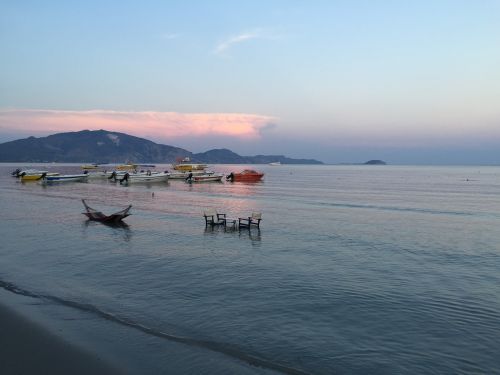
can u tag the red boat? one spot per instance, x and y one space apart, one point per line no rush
248 175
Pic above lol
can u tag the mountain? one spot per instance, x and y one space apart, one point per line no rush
88 146
103 146
225 156
375 162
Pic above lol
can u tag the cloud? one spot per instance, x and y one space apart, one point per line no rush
237 39
163 125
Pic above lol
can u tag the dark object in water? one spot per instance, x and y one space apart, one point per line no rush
125 178
99 216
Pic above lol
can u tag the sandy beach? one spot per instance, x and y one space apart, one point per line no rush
28 348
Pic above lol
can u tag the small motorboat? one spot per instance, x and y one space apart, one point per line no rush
127 167
90 166
24 172
275 163
96 175
114 176
248 175
179 175
96 215
214 177
149 176
37 176
65 178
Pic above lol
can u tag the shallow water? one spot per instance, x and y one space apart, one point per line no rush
356 269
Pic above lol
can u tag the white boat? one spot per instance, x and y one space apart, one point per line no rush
215 177
66 178
130 178
178 175
275 163
97 175
27 172
114 176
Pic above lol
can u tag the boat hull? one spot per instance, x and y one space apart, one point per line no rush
184 175
255 178
248 175
155 177
206 178
36 177
66 178
190 167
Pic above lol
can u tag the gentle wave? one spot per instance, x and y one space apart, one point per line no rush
227 349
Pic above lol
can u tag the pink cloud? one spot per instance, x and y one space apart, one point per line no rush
164 125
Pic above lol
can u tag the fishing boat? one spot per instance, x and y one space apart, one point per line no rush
127 167
37 176
97 175
23 172
96 215
115 175
130 178
215 177
186 165
248 175
65 178
89 166
180 175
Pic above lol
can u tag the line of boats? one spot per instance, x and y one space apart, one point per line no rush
189 172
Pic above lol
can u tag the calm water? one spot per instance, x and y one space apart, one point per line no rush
355 270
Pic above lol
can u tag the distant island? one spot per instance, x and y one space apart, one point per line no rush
369 162
102 146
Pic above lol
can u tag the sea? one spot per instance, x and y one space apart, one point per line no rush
354 270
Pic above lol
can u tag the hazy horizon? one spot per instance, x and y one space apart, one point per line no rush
340 82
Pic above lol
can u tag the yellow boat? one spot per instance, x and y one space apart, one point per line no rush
37 176
127 167
90 166
186 165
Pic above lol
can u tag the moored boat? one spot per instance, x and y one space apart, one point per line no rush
97 175
127 167
23 172
186 165
215 177
89 166
129 178
65 178
180 175
37 176
275 163
248 175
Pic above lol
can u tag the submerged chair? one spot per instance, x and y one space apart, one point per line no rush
212 217
251 220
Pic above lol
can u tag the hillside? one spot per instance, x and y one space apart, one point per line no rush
102 146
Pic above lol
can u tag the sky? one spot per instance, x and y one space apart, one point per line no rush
339 81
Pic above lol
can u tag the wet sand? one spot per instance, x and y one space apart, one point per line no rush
28 348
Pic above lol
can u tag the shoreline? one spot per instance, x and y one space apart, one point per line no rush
29 348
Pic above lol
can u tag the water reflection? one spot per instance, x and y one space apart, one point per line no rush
121 228
253 234
245 188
